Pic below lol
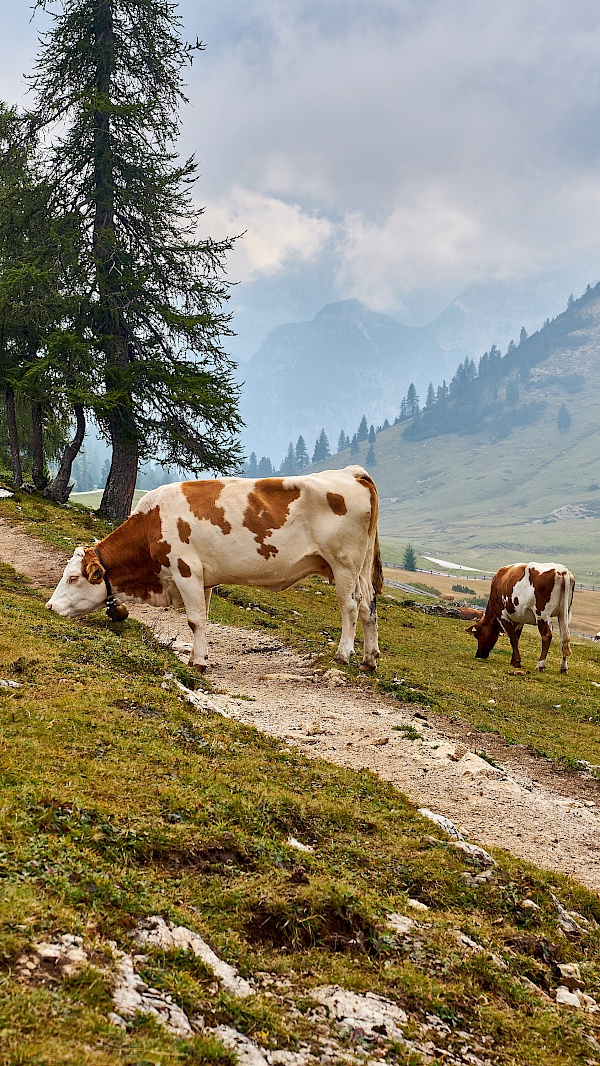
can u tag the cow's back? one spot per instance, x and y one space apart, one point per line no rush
257 531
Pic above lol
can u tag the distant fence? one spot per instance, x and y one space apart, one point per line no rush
464 576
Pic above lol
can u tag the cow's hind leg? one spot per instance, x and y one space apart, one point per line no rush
368 616
348 593
195 600
546 635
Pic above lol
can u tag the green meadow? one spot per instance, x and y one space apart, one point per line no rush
119 801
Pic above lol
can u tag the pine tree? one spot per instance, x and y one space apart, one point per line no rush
371 437
412 401
252 467
354 448
265 467
386 424
288 466
342 441
321 451
430 401
370 459
410 559
301 455
363 430
109 78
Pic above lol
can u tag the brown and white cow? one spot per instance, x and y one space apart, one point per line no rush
185 538
527 592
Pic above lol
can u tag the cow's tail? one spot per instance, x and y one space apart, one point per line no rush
373 550
568 588
377 569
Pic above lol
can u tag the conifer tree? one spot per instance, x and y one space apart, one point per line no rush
371 437
302 459
288 466
109 79
354 448
363 429
410 558
370 459
342 441
252 467
412 401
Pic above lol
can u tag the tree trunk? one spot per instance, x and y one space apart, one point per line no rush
38 473
13 437
59 489
120 483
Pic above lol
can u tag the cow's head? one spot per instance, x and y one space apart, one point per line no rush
486 634
81 589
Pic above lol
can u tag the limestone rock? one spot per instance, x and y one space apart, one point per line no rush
443 822
372 1013
154 931
474 852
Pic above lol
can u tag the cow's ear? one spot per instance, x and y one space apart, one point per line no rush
91 568
474 629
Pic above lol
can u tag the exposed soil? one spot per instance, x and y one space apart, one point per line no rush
524 803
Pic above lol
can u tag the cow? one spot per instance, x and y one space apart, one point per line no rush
185 538
527 592
470 613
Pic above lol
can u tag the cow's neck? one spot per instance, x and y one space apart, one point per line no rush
129 555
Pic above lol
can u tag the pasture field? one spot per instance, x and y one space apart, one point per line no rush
118 801
425 659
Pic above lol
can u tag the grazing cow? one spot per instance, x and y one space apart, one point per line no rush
527 592
185 538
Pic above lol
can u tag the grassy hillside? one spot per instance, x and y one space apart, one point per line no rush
118 801
484 499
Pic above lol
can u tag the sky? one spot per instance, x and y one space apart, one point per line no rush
391 151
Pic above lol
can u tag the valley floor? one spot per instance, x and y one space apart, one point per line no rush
522 803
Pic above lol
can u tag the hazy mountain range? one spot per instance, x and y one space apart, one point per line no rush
507 482
349 361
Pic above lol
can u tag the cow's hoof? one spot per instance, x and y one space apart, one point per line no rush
340 659
200 667
368 668
564 669
541 667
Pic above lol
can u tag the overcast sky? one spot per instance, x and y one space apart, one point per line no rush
387 150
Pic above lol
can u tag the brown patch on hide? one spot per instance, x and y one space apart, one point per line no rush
134 554
268 508
183 568
202 499
337 503
184 529
543 587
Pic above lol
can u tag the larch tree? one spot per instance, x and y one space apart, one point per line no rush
109 77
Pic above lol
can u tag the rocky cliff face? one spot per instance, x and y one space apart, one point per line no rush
347 362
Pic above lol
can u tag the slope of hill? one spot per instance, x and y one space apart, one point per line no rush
490 497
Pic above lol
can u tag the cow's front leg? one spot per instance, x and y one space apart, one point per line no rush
546 635
195 597
348 594
513 633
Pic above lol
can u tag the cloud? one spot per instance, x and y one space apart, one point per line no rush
442 141
276 233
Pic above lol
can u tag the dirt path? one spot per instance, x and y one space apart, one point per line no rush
524 804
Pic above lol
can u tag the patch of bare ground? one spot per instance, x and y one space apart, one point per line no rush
523 803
